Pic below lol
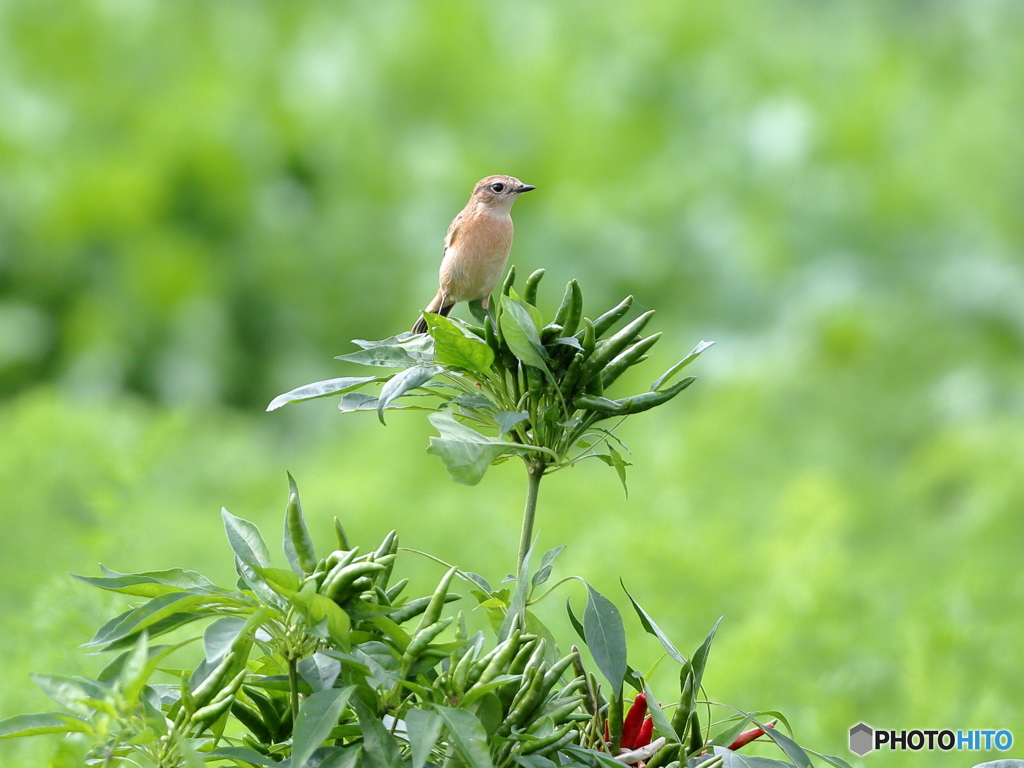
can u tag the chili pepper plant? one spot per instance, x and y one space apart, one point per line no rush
330 663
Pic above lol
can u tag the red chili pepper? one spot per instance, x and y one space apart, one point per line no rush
646 732
634 721
748 736
607 736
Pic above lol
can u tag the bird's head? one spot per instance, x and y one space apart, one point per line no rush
499 192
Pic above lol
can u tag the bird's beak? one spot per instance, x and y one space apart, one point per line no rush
525 188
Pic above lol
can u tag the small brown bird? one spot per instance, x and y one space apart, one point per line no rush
476 246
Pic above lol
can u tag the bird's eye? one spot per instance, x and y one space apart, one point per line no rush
499 187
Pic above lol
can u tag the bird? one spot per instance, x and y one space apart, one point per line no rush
476 246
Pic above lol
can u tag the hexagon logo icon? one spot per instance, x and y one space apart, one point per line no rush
862 739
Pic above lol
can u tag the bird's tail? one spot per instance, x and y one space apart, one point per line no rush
436 306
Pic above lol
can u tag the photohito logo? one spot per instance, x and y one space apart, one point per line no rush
864 739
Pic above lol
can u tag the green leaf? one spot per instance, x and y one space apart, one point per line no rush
242 755
653 629
46 722
318 714
320 671
321 389
146 615
667 375
606 637
465 452
403 382
700 657
736 760
521 334
468 734
576 624
838 762
71 692
219 636
380 750
245 540
283 581
614 460
662 725
547 562
793 750
399 351
455 348
132 676
423 728
316 608
508 419
150 584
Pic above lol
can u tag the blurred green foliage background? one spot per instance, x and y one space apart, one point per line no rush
201 202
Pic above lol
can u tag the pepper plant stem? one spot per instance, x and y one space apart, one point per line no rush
534 472
293 685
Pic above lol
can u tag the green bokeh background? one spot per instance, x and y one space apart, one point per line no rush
202 202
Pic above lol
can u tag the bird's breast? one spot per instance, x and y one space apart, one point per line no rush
474 262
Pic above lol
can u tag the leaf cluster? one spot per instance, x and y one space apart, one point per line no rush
329 663
517 384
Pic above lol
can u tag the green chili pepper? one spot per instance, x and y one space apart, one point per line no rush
212 683
648 400
340 533
414 608
627 359
387 546
209 714
251 719
421 640
557 669
589 342
534 696
491 337
572 374
460 675
340 557
394 591
437 601
570 737
296 531
569 311
550 332
615 721
599 404
612 316
268 712
336 585
595 386
681 717
696 737
559 709
530 287
529 746
613 346
500 661
510 279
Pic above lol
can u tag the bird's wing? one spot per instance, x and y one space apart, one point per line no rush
453 231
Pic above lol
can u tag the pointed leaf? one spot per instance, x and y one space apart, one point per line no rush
606 636
547 562
521 334
508 419
455 348
219 636
47 722
70 692
321 389
380 750
147 614
245 540
243 755
423 728
700 657
403 382
653 629
667 375
150 584
468 734
465 452
614 460
732 759
319 671
793 750
318 714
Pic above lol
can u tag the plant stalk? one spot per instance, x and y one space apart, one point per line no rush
293 685
534 472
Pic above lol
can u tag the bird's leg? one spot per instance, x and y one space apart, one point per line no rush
485 304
